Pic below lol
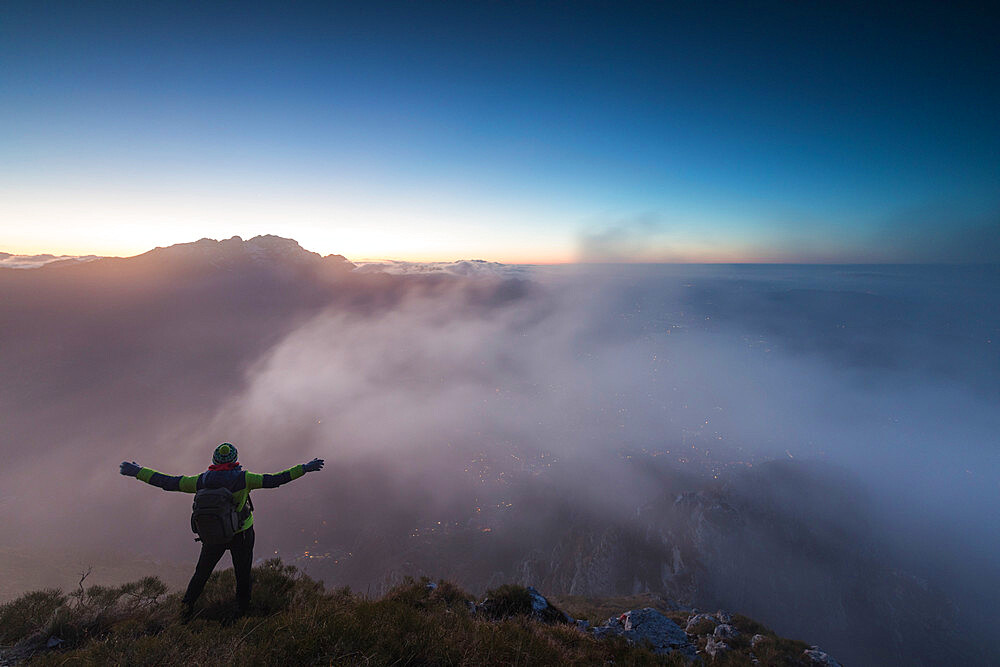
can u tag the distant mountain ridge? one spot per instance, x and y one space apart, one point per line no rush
271 250
263 249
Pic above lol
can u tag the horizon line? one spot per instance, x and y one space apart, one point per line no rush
557 263
569 261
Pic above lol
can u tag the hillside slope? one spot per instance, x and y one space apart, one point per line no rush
295 621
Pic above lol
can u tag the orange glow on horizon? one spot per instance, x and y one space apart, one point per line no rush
363 252
563 259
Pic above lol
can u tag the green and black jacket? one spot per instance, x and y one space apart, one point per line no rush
238 481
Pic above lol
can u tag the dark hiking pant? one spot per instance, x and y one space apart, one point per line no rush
241 549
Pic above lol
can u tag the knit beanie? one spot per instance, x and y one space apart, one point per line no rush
224 453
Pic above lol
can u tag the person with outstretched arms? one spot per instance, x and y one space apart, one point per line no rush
222 514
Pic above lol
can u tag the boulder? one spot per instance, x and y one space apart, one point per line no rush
695 620
725 631
514 600
818 657
714 647
545 611
648 625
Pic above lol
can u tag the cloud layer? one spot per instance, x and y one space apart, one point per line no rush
448 402
9 261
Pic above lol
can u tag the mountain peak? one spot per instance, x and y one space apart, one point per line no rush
269 246
265 249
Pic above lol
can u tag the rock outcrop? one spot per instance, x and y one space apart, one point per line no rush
508 601
648 626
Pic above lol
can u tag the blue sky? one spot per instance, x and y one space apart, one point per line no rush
507 131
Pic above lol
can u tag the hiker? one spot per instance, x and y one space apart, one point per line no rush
223 514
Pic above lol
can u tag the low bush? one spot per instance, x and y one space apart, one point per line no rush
276 587
28 614
506 601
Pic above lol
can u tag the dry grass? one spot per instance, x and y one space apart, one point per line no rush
294 621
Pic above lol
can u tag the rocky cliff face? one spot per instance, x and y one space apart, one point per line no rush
745 547
765 544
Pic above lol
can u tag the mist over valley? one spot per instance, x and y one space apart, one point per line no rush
812 445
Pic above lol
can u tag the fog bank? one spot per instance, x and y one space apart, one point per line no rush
465 403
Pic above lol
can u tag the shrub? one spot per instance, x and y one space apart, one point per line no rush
705 626
94 610
28 614
424 594
506 601
276 587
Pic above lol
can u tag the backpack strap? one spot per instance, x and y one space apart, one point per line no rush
248 505
244 513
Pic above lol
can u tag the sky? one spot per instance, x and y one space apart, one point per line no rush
514 132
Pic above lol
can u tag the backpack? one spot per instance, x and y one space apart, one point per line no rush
214 516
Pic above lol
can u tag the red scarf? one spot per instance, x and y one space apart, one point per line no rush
233 465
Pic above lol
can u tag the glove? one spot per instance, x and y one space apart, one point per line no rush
129 469
312 466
